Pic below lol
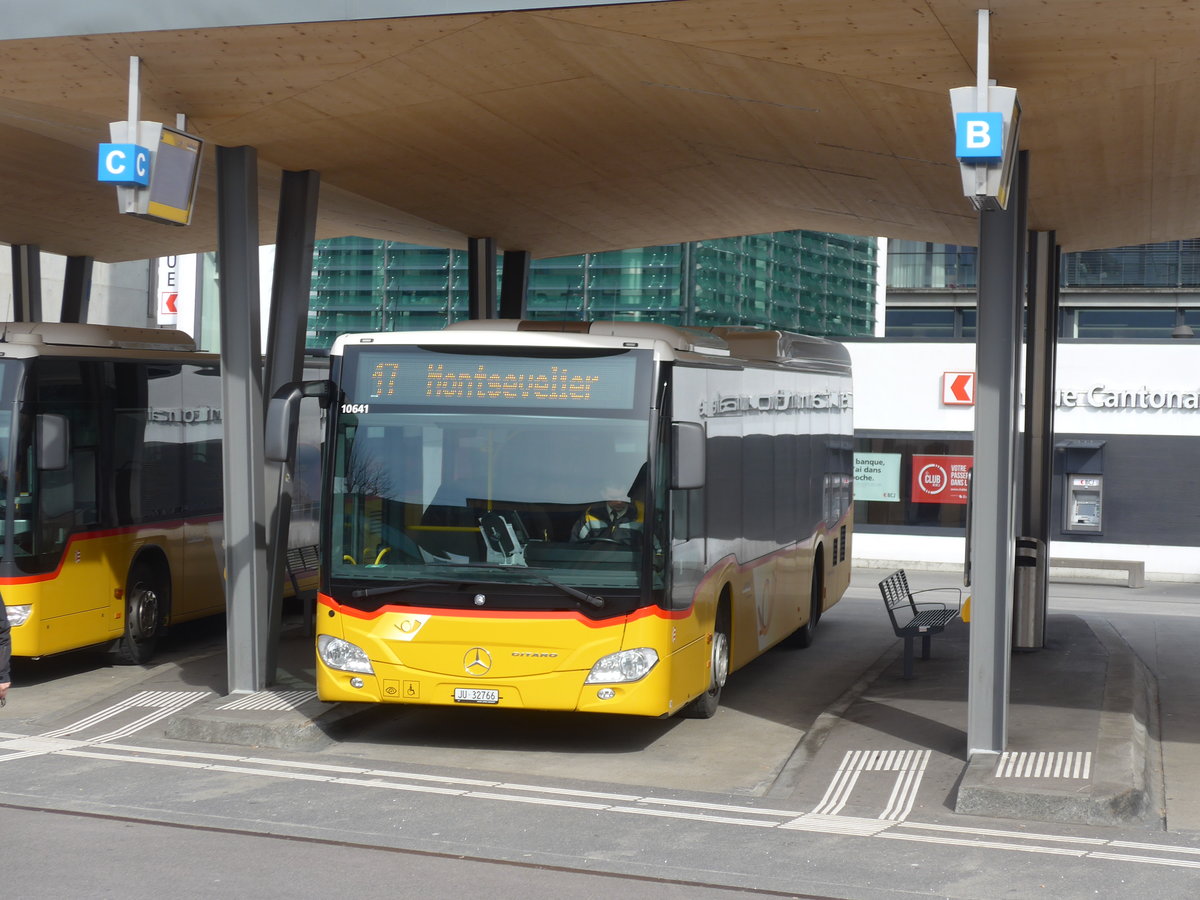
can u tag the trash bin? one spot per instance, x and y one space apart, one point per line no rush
1029 595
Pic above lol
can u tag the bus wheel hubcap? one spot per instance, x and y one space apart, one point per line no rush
143 613
720 659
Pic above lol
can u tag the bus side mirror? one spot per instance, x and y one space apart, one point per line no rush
53 441
283 413
687 464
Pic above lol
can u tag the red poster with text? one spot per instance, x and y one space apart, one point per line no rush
940 479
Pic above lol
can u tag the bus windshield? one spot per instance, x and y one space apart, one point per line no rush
493 489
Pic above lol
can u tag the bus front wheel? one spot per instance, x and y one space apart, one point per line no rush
145 606
705 706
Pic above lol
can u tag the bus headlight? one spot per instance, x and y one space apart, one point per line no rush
343 655
18 614
628 665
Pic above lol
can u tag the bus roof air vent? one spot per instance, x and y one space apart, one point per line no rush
75 334
780 346
688 340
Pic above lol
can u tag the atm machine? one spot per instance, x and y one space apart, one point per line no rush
1083 486
1083 504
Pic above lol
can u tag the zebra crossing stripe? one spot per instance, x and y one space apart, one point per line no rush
1071 764
160 703
270 700
909 766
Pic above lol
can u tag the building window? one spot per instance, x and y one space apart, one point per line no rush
1127 323
911 482
1169 264
943 322
919 264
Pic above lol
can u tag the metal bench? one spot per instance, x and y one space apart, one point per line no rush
911 619
1135 567
301 564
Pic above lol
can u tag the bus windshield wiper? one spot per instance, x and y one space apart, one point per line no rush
579 595
396 588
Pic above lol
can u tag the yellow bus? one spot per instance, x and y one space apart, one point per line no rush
110 480
603 517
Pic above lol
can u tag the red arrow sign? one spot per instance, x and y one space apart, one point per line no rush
169 299
958 388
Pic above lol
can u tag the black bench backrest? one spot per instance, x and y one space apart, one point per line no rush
896 595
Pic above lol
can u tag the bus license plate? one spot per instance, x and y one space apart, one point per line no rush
476 695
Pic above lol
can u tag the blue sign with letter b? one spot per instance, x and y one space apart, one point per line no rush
979 136
124 164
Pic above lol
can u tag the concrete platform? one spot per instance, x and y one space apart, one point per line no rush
1082 723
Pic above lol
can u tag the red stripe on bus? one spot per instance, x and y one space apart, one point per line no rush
96 535
566 615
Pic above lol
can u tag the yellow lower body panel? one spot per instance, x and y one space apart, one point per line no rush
512 661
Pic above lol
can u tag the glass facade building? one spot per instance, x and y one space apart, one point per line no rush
1124 293
816 283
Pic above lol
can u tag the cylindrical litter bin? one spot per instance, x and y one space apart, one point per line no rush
1029 595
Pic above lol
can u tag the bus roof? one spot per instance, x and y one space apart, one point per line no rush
728 342
76 334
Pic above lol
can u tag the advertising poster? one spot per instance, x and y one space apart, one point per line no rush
877 477
940 479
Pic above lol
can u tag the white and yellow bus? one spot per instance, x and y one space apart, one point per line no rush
461 469
110 481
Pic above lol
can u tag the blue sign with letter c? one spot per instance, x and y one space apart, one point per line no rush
123 164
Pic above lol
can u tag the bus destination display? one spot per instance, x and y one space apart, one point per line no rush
438 379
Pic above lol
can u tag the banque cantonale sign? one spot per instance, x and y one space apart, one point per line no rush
1103 397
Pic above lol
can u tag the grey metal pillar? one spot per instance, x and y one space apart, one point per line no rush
27 283
1041 345
242 414
77 289
514 284
993 509
295 237
481 278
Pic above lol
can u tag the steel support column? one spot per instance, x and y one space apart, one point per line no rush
1041 346
1001 285
27 283
77 289
481 278
295 236
514 284
242 414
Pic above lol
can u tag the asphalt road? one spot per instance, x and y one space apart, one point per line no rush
94 804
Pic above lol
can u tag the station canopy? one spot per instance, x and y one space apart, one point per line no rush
572 129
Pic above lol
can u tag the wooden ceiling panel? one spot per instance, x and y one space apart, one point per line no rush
894 41
568 130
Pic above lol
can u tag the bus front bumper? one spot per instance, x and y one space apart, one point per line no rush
562 691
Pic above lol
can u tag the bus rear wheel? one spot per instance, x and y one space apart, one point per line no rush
705 706
145 607
803 636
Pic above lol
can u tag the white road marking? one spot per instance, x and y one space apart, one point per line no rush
270 700
160 703
909 766
1044 764
992 845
